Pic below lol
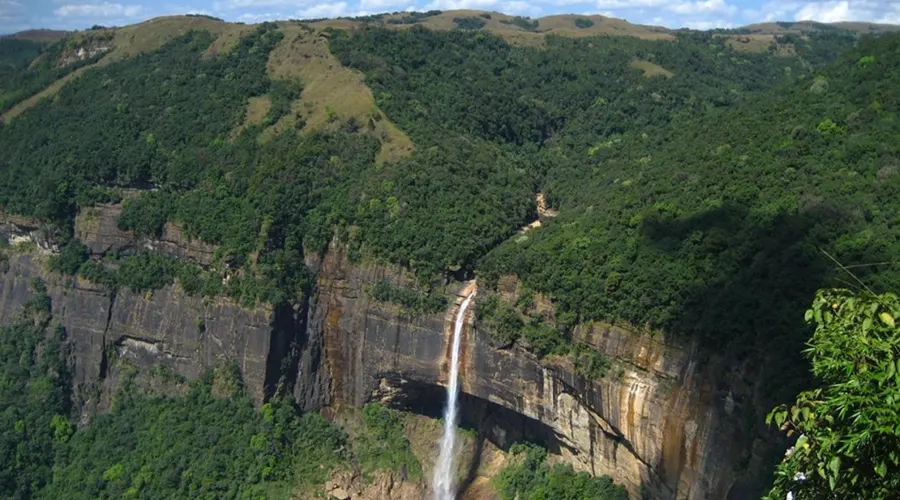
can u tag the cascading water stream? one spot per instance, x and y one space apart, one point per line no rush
444 481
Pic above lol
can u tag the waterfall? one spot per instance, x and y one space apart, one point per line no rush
444 481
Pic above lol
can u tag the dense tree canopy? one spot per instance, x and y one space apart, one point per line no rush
28 67
202 440
34 402
701 190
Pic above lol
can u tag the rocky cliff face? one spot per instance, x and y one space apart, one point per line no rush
111 334
658 423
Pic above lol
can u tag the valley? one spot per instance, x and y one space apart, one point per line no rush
237 259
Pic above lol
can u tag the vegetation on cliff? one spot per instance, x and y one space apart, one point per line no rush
34 402
414 300
200 445
530 477
382 444
677 196
208 443
708 198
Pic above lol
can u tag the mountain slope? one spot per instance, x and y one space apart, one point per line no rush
695 190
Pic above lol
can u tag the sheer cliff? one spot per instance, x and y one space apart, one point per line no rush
657 423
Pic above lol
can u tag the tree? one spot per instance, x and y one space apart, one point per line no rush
848 429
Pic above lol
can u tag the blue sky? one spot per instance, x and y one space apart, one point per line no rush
16 15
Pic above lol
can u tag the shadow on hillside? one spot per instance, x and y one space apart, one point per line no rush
751 277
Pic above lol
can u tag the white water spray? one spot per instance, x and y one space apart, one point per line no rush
444 481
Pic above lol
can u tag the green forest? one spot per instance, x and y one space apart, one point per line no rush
207 441
710 204
28 67
704 194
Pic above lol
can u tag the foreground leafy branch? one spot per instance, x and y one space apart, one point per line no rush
848 430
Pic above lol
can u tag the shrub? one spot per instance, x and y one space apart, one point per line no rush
469 23
70 258
583 22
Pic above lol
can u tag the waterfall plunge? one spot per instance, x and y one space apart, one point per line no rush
444 481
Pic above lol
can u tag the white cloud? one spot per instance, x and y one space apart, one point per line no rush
382 5
622 4
826 12
521 8
708 25
890 17
829 11
249 17
701 7
99 10
460 4
337 9
240 4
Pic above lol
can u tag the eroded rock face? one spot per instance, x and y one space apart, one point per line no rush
655 423
97 228
185 334
658 423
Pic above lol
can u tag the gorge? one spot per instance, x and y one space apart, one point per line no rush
240 261
658 426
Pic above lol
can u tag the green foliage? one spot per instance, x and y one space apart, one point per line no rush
17 54
828 127
589 362
383 444
583 23
145 215
543 339
282 93
273 200
414 17
819 47
437 85
445 207
523 22
96 120
416 301
96 272
26 67
848 429
469 23
196 446
70 258
34 403
530 477
712 229
500 319
147 271
439 211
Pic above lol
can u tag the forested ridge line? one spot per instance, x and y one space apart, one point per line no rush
699 206
494 123
696 200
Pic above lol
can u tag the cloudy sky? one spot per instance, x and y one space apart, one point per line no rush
17 15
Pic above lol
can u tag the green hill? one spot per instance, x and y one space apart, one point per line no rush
703 191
